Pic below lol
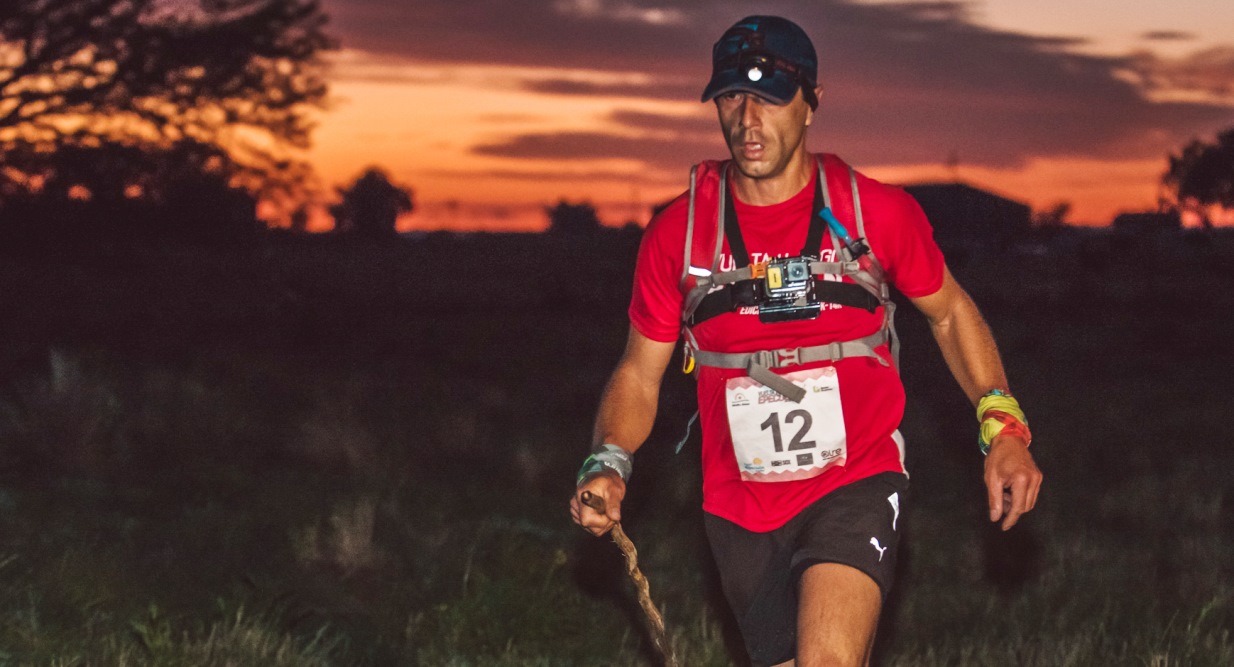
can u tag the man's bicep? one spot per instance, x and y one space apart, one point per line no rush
645 358
939 305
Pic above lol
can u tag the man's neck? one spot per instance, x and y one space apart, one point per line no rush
775 189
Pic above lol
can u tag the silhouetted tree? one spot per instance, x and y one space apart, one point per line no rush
567 218
1203 174
113 171
240 75
299 220
371 206
118 190
1053 217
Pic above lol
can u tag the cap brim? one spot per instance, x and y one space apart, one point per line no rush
778 88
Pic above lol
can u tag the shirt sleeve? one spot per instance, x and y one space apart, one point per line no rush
655 307
903 241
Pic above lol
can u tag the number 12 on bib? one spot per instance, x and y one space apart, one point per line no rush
776 439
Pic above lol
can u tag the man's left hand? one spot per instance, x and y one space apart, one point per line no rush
1012 479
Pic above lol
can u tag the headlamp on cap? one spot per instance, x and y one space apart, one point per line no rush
756 66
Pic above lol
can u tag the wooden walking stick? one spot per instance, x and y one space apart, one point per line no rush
655 622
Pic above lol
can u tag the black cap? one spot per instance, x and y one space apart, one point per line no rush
769 56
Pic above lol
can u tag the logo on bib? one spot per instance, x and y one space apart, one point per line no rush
771 396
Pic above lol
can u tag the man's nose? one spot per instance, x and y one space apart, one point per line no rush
749 111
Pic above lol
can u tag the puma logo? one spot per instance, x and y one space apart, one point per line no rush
876 545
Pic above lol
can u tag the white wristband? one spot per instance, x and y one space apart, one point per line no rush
611 457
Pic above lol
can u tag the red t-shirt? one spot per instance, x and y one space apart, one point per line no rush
872 396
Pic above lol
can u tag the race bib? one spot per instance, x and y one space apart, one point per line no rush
777 440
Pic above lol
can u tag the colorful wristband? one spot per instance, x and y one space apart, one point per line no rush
998 413
607 457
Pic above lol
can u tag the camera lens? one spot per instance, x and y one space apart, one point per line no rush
796 271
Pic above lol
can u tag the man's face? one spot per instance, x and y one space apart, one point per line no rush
763 136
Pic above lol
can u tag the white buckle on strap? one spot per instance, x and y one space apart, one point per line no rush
788 357
777 358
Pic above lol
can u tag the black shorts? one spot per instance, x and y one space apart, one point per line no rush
857 525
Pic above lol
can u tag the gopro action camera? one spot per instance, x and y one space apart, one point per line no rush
787 292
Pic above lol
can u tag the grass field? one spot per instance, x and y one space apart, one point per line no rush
319 453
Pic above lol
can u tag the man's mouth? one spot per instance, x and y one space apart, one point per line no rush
751 150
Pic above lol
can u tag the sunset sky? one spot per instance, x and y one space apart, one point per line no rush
489 110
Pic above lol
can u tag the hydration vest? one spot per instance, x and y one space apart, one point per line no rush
710 292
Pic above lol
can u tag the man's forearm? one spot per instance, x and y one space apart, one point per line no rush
627 410
969 349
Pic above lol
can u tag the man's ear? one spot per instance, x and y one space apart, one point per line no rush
818 95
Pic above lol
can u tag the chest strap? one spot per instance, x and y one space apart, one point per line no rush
758 364
744 293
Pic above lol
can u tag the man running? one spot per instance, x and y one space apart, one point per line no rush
775 268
